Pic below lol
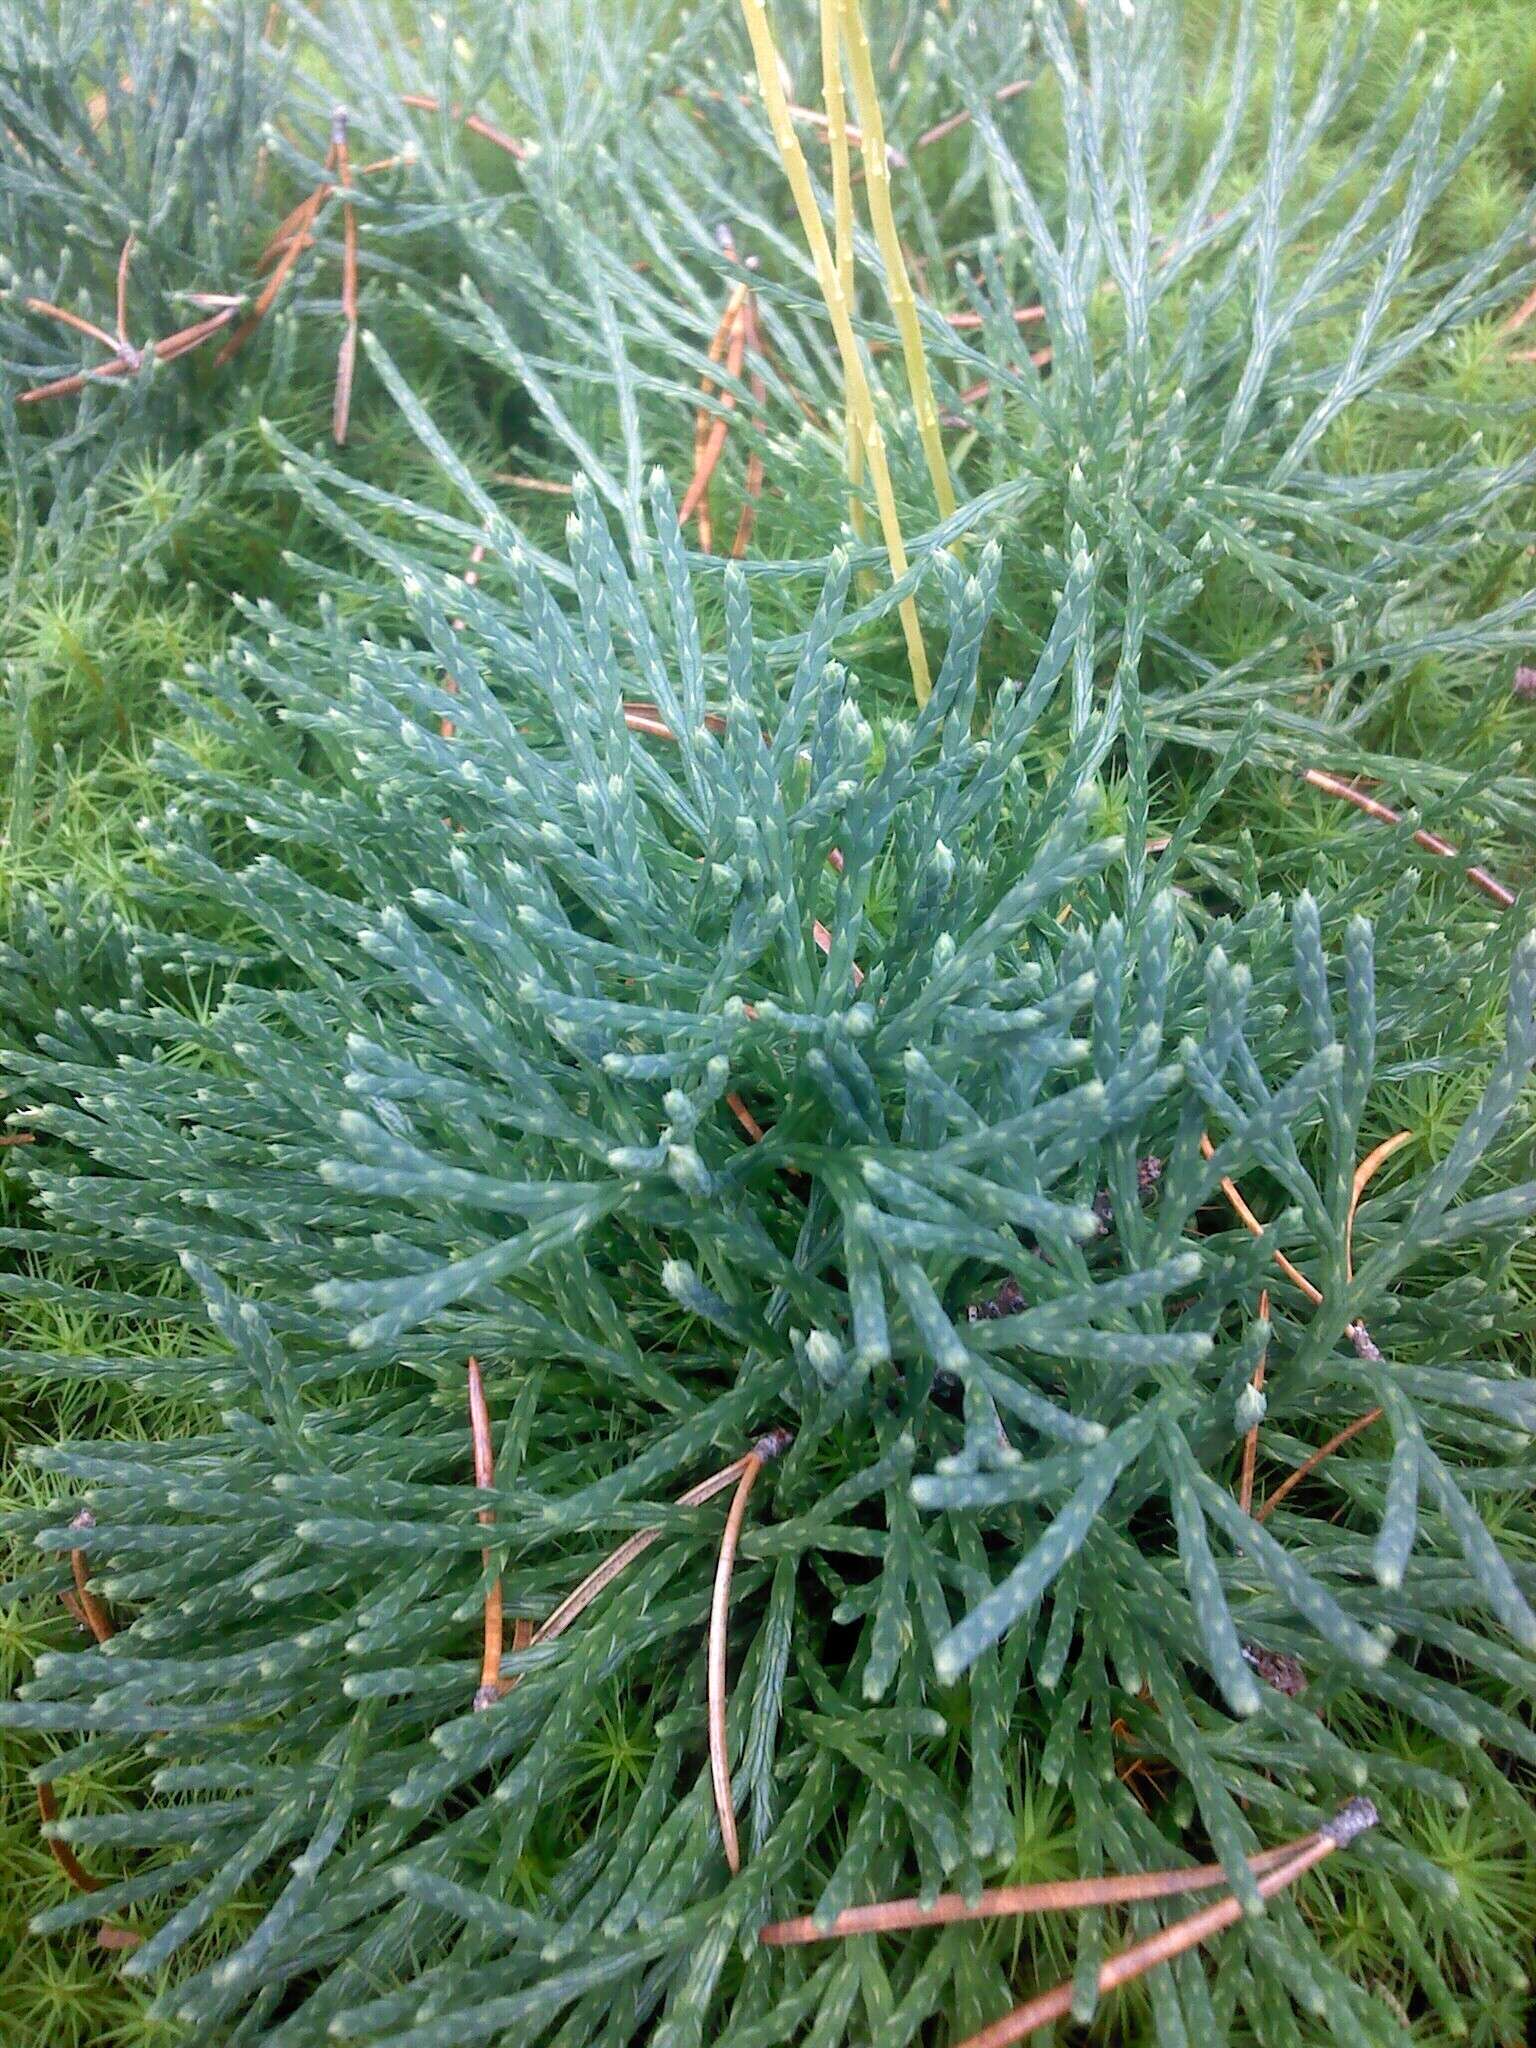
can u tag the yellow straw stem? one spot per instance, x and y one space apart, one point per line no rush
842 223
898 285
860 402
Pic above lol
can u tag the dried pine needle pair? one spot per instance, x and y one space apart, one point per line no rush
1273 1869
1364 1174
294 235
92 1613
742 1473
127 359
737 338
283 251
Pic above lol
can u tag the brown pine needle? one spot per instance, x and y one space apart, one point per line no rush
63 1854
1310 1465
646 718
125 346
747 520
745 1118
295 226
900 1916
187 338
968 323
110 1937
1233 1193
346 358
708 451
940 129
50 311
768 1447
424 103
1251 1440
485 1477
1351 1820
303 219
618 1561
531 483
1255 1228
1334 785
1364 1173
1521 315
289 229
94 1611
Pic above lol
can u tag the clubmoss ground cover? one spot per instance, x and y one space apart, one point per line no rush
1295 646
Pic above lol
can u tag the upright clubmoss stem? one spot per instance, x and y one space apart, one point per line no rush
765 52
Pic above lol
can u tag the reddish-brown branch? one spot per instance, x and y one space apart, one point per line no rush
62 1853
485 1478
747 519
773 1445
110 1937
702 419
1177 1940
899 1916
19 1138
1334 785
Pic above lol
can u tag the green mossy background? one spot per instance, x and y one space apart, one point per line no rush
193 511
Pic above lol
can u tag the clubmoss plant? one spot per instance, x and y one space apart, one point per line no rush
583 967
